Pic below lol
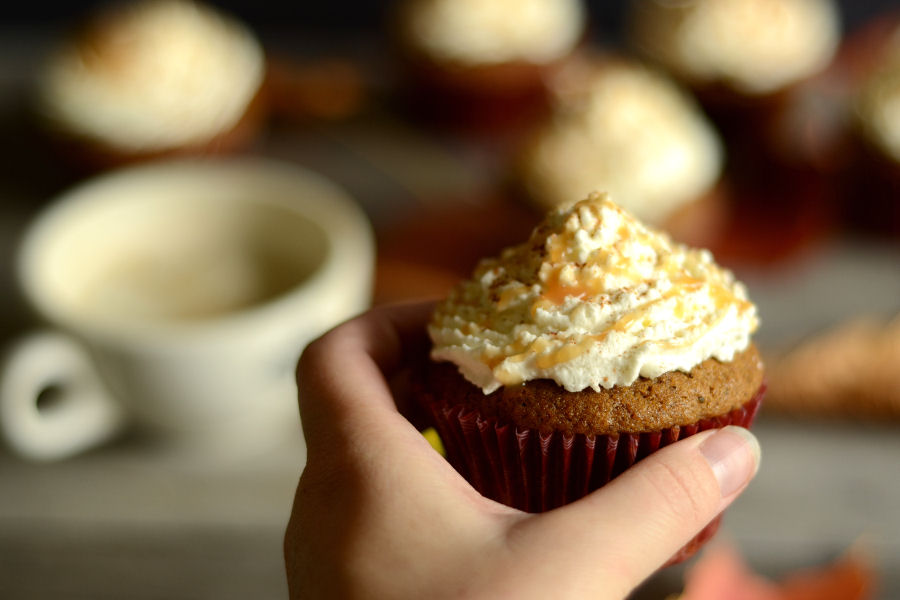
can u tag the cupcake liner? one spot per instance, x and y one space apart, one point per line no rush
536 471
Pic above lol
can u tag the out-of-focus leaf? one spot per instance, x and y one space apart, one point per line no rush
721 574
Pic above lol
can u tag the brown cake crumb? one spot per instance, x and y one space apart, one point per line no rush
712 388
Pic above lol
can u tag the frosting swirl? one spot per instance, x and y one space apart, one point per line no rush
592 299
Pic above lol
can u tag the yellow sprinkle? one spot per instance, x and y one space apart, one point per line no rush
431 435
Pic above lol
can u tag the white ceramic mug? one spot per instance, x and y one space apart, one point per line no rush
180 295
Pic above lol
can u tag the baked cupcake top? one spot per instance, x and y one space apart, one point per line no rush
152 76
629 131
484 32
752 46
592 300
878 105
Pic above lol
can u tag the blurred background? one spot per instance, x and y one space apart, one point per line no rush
362 16
782 157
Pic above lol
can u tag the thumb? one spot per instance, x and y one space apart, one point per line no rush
620 534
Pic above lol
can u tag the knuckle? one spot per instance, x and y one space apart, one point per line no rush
313 366
320 352
311 356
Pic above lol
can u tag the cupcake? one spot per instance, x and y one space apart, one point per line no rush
745 48
624 128
741 57
758 68
568 358
481 65
150 79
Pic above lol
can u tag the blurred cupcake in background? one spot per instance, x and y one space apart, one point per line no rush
744 49
150 79
873 194
757 68
741 57
482 65
620 127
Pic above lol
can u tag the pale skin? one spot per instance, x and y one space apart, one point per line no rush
379 514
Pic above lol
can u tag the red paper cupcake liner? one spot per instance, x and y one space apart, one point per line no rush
535 471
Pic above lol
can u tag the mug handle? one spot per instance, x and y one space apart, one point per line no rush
52 402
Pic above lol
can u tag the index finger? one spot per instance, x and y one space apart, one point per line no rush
342 377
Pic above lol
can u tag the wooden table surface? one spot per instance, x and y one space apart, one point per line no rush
129 521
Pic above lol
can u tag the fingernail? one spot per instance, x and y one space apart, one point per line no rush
733 455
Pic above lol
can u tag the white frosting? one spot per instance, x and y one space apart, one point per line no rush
593 300
155 76
878 106
634 135
755 46
495 31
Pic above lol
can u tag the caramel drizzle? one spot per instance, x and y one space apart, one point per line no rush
556 292
519 352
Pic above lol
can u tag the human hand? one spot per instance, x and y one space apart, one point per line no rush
379 514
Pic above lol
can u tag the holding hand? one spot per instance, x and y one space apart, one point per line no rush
379 514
